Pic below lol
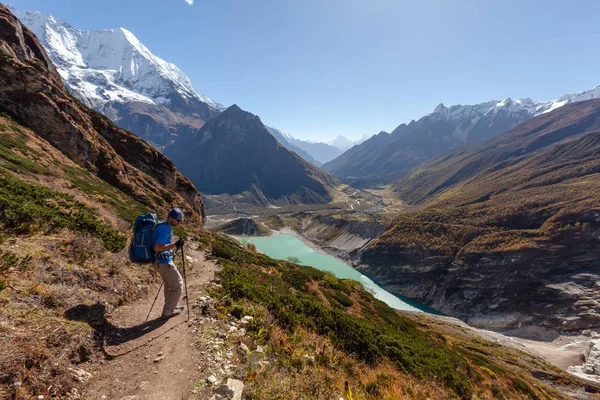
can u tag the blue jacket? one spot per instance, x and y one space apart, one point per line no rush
163 234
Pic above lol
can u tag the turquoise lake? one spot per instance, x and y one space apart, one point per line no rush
282 246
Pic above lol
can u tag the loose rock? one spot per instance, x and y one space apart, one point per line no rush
233 390
79 374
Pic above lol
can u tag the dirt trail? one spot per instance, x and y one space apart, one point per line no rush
153 360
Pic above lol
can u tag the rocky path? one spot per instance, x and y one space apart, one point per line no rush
153 360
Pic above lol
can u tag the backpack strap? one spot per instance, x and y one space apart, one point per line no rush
154 253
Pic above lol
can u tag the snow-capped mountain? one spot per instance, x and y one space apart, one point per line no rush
519 108
384 156
114 73
342 143
109 65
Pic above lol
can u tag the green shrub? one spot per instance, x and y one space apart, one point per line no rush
343 299
220 250
293 260
296 277
524 388
28 208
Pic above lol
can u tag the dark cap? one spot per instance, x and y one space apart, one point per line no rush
175 213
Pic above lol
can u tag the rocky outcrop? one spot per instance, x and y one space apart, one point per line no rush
591 362
496 291
32 93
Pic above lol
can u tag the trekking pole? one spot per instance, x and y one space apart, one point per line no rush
187 300
147 316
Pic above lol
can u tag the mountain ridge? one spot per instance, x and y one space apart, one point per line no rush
386 158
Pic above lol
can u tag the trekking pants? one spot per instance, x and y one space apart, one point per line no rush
173 285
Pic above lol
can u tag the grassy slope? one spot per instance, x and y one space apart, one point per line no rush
533 187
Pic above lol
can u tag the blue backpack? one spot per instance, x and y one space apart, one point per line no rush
141 250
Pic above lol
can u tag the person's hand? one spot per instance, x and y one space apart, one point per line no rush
179 243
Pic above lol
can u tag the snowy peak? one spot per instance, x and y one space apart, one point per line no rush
571 98
109 65
342 143
508 106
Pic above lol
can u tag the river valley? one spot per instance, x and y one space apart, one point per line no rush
577 353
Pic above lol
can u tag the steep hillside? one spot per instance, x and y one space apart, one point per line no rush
235 153
28 77
510 236
387 156
330 338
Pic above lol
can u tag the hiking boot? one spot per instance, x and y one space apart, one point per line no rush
173 314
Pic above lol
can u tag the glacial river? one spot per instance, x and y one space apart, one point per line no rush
282 246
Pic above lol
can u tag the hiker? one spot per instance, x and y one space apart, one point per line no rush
162 242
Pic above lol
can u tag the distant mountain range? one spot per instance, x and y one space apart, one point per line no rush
387 155
282 138
316 153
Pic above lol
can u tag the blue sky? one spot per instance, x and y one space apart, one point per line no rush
321 68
